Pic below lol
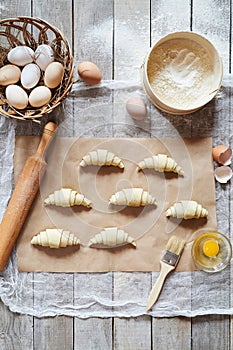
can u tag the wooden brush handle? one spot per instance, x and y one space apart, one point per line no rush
23 195
154 294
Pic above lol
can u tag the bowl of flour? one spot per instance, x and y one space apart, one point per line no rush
182 72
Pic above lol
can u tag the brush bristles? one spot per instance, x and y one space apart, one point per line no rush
175 245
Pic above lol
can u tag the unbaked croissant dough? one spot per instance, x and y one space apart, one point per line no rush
66 197
55 238
132 197
161 163
101 157
111 237
187 209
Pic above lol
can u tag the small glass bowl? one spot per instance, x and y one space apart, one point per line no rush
212 263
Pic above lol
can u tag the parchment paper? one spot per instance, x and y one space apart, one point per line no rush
148 226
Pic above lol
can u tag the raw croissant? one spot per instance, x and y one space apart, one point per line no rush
161 163
66 197
186 209
132 197
55 238
101 157
111 237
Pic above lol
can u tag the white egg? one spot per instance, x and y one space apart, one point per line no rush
30 76
9 74
44 56
53 74
136 108
40 96
16 96
20 55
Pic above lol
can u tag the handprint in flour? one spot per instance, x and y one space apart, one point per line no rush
183 67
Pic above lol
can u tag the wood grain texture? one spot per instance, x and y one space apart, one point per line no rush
54 333
12 327
97 27
168 17
93 33
132 334
93 334
171 333
212 19
211 332
130 17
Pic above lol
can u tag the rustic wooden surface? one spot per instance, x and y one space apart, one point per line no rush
149 19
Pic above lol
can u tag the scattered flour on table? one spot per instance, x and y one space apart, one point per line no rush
180 73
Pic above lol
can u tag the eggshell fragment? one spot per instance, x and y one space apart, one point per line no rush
16 96
39 96
89 72
223 174
136 108
30 76
53 74
44 56
9 74
21 55
222 154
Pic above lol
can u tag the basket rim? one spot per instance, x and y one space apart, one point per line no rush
21 115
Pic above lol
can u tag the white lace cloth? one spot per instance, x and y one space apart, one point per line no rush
120 294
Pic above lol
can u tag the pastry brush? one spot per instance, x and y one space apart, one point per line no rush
168 263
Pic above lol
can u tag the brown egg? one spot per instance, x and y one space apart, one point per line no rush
222 154
9 74
89 72
53 75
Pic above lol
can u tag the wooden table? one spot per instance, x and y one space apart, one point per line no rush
149 19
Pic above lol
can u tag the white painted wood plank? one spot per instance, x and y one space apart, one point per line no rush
54 333
12 325
131 43
171 333
212 333
93 334
11 9
93 32
212 19
167 17
132 334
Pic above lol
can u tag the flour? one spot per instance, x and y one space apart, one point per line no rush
180 73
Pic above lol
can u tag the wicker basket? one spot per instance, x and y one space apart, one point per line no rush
32 32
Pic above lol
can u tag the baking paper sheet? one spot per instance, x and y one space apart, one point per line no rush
149 226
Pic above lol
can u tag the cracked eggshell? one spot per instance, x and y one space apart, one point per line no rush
136 108
20 55
53 75
223 174
44 56
40 96
222 154
9 74
30 76
16 96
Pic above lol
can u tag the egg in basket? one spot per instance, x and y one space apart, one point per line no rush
36 68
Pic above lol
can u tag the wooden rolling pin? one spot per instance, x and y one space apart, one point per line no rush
23 195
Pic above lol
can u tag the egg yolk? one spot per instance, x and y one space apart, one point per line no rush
210 248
